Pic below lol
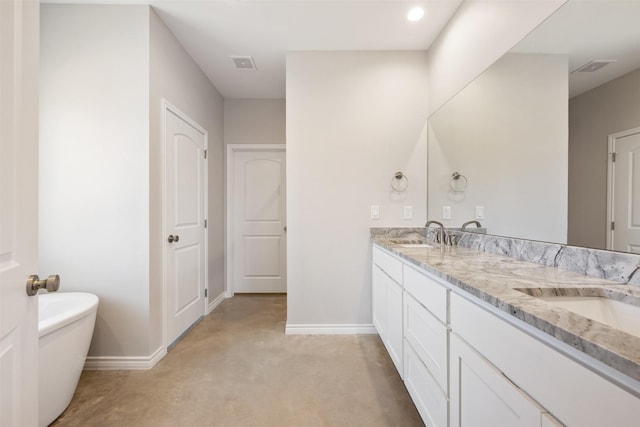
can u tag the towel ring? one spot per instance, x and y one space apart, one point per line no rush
399 182
458 182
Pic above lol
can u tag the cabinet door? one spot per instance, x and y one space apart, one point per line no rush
394 324
481 396
379 309
387 314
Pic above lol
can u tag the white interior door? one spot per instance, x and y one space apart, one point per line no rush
625 235
185 214
258 221
18 212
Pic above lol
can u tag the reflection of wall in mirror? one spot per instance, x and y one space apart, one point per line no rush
593 115
516 166
477 35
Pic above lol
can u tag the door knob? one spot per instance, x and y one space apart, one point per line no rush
51 284
173 238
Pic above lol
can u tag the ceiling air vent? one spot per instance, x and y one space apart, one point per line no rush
243 62
594 65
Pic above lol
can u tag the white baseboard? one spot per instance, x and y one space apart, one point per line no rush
331 329
100 363
216 302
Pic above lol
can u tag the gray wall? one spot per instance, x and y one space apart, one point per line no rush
353 119
607 109
104 70
254 121
94 164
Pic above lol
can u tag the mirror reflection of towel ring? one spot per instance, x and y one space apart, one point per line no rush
458 182
399 182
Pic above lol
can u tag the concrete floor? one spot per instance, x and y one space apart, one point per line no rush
238 368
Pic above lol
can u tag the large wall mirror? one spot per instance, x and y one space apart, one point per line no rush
532 135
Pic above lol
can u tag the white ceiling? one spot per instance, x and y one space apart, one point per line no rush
212 30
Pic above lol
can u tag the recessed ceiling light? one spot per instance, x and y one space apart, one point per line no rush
415 14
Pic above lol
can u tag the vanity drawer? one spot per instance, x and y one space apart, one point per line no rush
388 263
431 294
429 338
431 403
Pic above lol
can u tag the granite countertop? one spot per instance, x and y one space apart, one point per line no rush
496 280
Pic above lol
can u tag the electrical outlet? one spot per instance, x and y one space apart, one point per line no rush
446 212
479 212
375 212
407 212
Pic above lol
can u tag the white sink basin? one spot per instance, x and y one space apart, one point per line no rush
613 308
415 245
618 315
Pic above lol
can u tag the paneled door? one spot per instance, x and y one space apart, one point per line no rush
625 206
185 215
257 220
19 21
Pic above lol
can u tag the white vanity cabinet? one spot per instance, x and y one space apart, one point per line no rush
467 363
410 313
496 365
387 303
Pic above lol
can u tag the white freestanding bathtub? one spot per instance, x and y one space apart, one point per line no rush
65 326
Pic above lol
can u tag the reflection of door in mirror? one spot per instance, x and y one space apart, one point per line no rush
594 116
602 101
624 192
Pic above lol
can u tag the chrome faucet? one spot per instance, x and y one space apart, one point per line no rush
439 224
477 224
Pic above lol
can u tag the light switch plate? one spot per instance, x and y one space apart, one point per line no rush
375 212
407 212
446 212
479 212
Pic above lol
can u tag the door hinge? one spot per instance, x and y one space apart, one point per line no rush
205 223
205 154
613 226
613 157
205 293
